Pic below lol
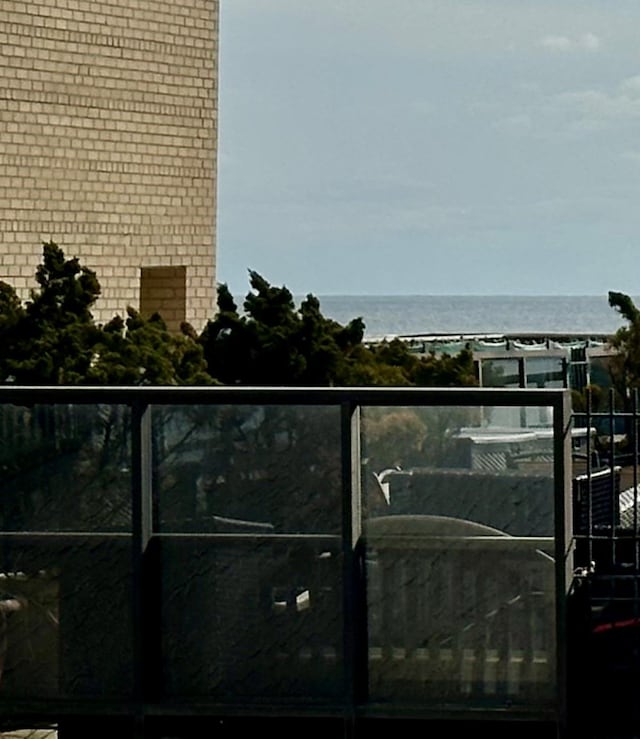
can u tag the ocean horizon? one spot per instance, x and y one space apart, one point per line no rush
410 315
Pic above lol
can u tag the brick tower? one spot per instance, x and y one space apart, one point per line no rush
108 146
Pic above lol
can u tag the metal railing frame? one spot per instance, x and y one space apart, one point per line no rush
350 401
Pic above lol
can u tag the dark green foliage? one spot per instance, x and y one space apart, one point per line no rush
49 340
624 305
142 351
275 343
67 290
53 339
427 370
625 364
11 317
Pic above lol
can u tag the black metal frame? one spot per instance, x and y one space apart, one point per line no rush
144 712
608 558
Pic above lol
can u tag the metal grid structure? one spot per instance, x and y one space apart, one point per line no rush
131 579
606 518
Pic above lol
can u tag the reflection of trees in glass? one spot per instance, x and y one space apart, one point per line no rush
393 437
544 372
406 438
444 424
494 372
271 464
65 467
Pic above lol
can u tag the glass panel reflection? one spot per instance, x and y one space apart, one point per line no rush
459 557
252 617
500 372
65 617
460 462
544 372
247 468
65 468
459 614
246 612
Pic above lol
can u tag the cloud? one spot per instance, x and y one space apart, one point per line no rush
589 41
597 108
556 43
572 114
585 42
518 123
631 156
631 86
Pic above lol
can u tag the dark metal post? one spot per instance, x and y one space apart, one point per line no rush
564 552
354 598
612 463
146 642
634 462
589 532
522 373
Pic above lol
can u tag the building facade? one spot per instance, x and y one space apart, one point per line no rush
108 130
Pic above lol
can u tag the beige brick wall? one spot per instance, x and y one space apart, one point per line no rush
108 131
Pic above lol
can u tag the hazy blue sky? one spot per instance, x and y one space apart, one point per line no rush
430 146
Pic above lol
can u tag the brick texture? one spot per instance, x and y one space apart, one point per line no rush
108 124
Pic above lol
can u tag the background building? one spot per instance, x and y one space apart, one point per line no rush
108 130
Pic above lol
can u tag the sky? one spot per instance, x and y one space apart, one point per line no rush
423 147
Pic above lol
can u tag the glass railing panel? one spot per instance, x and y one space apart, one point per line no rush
500 372
238 577
65 617
459 541
461 462
248 618
600 366
65 468
458 616
545 372
249 517
247 468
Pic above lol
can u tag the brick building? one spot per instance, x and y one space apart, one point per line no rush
108 146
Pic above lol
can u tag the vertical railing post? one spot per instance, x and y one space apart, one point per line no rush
612 462
355 666
634 466
564 550
522 373
589 492
144 631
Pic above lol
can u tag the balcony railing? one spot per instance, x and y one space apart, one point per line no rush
345 554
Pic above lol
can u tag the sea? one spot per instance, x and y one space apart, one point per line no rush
453 315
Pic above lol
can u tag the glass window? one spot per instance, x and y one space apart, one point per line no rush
500 372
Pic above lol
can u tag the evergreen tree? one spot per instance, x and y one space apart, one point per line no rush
11 317
139 351
53 339
625 364
275 343
50 339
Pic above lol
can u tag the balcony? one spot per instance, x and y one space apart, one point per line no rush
182 556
